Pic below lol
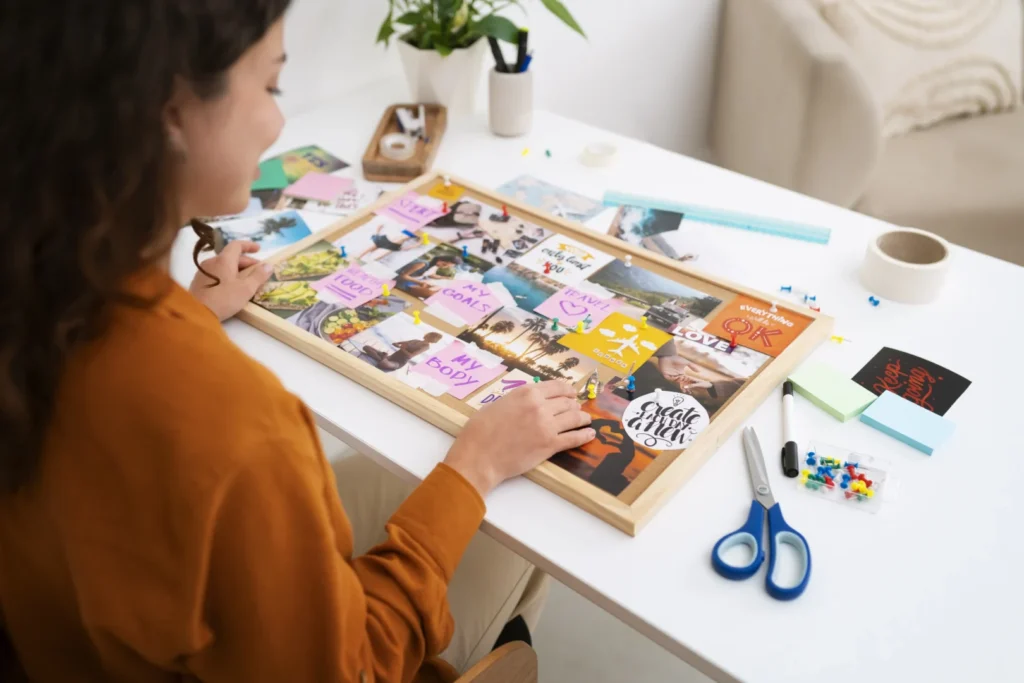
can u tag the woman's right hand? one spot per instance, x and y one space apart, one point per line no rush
517 433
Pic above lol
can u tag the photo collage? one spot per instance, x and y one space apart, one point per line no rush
465 300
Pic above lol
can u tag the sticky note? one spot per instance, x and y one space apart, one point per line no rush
319 187
413 210
499 388
351 287
470 301
571 305
456 367
272 176
449 194
831 390
910 423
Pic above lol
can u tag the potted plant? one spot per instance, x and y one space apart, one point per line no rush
442 44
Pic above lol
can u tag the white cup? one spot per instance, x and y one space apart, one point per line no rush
511 103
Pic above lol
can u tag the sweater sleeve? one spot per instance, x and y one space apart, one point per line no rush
282 603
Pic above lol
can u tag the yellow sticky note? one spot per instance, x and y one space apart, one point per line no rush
618 342
449 194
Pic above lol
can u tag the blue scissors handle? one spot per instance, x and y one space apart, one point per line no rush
750 535
780 533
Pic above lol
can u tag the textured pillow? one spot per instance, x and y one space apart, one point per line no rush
930 60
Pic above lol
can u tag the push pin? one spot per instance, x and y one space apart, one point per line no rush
840 340
631 383
591 391
465 251
536 380
579 327
409 233
426 239
629 261
444 208
547 267
526 150
810 297
816 309
547 153
643 322
786 288
344 252
447 181
385 290
554 324
774 308
732 342
415 317
657 396
874 301
504 211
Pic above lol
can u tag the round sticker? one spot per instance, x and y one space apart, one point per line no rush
667 426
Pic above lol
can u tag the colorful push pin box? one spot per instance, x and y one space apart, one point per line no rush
842 476
901 419
831 390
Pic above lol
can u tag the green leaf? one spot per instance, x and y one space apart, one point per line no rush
559 10
497 27
386 30
409 19
443 50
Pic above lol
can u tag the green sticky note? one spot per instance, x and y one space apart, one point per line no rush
831 390
272 176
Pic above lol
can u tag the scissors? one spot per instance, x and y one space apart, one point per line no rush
751 534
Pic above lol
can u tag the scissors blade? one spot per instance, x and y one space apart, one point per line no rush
758 472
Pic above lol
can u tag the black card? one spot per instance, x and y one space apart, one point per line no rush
918 380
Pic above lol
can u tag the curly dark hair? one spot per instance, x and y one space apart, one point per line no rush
85 187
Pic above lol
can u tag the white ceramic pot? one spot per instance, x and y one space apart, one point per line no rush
511 103
452 81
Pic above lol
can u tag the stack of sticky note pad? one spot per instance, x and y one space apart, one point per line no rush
843 399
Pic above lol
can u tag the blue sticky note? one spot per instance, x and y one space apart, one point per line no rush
908 422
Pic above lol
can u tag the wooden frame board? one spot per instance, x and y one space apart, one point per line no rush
634 505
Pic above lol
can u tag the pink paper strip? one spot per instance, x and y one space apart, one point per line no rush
461 372
471 301
571 306
351 287
320 187
412 210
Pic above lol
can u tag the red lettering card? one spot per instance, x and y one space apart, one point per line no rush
756 327
920 381
350 287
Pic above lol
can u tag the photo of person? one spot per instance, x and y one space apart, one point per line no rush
395 343
526 342
485 231
669 305
383 241
428 274
612 460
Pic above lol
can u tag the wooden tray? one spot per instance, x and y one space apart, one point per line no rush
378 167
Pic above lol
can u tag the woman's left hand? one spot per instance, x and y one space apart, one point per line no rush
240 276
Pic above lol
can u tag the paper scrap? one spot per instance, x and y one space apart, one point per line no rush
831 390
412 211
351 287
378 269
571 305
319 187
462 373
498 389
272 176
442 313
471 301
910 423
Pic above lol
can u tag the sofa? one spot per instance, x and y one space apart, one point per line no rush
794 107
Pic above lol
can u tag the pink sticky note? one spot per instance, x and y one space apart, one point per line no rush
350 287
459 371
320 187
471 301
571 305
413 210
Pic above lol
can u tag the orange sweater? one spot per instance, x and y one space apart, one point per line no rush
185 522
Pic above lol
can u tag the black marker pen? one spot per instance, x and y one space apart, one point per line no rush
790 452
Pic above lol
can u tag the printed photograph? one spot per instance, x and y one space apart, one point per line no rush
270 232
312 263
337 324
428 274
300 161
612 460
529 288
698 366
637 225
285 299
393 344
526 342
485 231
669 305
553 199
384 241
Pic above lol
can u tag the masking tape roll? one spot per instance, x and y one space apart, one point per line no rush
397 146
906 265
598 154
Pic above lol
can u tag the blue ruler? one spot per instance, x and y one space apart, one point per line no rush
729 219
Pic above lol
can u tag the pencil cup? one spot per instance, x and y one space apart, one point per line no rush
511 103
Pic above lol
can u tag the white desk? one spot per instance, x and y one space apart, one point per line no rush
927 590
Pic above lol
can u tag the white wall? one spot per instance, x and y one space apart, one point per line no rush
646 71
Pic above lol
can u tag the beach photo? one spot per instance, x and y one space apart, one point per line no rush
526 342
612 460
270 232
529 288
393 344
669 305
433 270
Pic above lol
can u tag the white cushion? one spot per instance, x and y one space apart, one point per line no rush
930 60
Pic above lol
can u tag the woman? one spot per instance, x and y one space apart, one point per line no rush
412 278
166 510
